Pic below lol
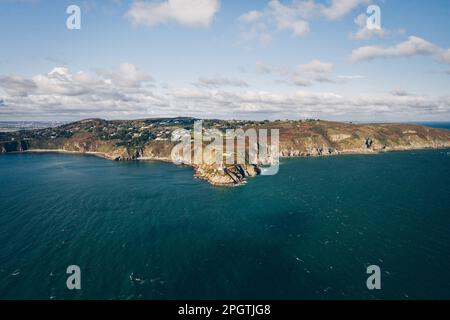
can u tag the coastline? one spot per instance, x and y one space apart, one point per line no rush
236 175
93 153
109 157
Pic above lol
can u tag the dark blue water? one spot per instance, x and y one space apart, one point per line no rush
149 230
438 125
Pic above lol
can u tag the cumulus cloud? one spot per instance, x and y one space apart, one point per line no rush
339 8
16 85
127 76
61 91
315 70
325 105
303 75
195 13
258 25
288 17
413 46
62 94
61 81
293 17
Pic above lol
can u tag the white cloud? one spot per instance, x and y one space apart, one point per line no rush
60 81
288 18
61 94
258 24
127 76
303 75
293 17
196 13
413 46
16 85
316 70
339 8
325 105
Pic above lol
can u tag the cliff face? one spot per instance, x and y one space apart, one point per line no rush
13 146
318 138
150 139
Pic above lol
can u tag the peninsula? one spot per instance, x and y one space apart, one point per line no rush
150 139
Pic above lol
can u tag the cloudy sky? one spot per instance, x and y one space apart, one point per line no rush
252 59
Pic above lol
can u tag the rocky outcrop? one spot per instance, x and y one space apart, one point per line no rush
229 175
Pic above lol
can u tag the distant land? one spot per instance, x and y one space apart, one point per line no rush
8 126
149 139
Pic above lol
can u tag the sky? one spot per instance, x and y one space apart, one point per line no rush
253 59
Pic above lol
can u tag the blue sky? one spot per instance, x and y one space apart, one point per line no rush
226 59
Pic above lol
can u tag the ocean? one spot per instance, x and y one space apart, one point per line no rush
149 230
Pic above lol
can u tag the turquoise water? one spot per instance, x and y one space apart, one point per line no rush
149 230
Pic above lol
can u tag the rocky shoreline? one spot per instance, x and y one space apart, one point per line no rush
233 175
